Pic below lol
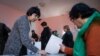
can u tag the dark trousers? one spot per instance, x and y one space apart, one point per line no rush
23 50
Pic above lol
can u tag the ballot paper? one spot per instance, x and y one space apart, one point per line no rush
53 45
37 44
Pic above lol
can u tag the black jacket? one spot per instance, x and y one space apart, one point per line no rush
68 39
4 30
45 36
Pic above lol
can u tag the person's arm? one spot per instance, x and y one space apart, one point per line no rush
66 50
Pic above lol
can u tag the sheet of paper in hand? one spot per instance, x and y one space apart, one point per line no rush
53 45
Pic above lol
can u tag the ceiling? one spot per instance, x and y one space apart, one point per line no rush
48 7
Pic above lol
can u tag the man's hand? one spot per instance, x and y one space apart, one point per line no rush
42 52
33 40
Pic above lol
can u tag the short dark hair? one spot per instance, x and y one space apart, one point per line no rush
32 10
44 24
81 10
66 27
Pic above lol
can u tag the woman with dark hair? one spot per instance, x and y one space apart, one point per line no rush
88 38
87 19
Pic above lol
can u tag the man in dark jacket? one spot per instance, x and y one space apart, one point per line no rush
45 35
68 38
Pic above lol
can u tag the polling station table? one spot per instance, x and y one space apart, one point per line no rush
39 55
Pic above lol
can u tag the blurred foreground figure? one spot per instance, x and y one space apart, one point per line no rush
87 19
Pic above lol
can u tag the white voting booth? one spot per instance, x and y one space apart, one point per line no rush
52 47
